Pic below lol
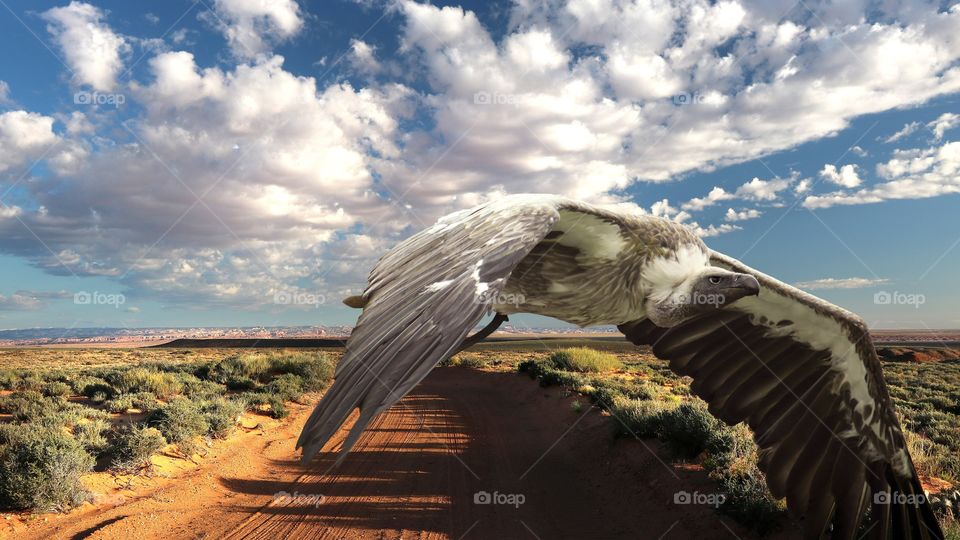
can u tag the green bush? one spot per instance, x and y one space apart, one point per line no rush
9 379
179 421
57 389
585 360
241 384
158 383
144 401
90 435
133 447
315 369
249 366
30 405
638 417
688 428
277 407
221 415
288 387
40 469
86 385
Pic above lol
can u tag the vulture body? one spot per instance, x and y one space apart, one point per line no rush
801 372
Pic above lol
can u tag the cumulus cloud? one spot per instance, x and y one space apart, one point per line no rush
29 300
91 49
911 174
24 136
743 215
840 283
252 26
846 177
762 190
363 57
716 195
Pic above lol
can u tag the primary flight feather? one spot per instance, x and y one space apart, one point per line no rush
801 372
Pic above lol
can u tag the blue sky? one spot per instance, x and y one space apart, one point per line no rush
226 162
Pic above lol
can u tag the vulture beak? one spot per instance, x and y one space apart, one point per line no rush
743 285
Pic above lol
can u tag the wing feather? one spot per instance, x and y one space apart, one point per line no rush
422 299
805 377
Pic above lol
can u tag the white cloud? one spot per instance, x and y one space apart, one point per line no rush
846 177
5 93
944 122
911 174
92 50
716 195
762 190
908 129
363 57
743 215
24 136
251 26
803 186
840 283
714 230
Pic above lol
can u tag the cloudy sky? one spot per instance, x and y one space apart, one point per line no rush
244 162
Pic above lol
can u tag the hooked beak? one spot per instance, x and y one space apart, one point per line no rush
744 285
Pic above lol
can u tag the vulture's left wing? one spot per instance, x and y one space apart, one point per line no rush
423 298
804 375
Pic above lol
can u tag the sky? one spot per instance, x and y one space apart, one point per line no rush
245 162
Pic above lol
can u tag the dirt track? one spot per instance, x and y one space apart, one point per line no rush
415 475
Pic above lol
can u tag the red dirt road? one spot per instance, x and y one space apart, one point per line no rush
415 475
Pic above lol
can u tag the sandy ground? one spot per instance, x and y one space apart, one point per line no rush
416 473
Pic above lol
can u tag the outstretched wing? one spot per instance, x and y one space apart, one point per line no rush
804 375
423 298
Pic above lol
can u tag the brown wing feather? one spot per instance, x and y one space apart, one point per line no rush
832 457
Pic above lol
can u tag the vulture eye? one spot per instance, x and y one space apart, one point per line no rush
715 279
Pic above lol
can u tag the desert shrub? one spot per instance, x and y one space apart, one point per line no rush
179 420
315 369
40 469
250 366
241 384
288 387
30 381
30 405
638 417
9 379
605 397
144 401
584 359
87 385
134 445
90 435
197 388
221 415
57 389
158 383
470 361
688 428
732 462
277 407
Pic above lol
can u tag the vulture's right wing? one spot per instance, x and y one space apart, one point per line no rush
804 375
423 298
